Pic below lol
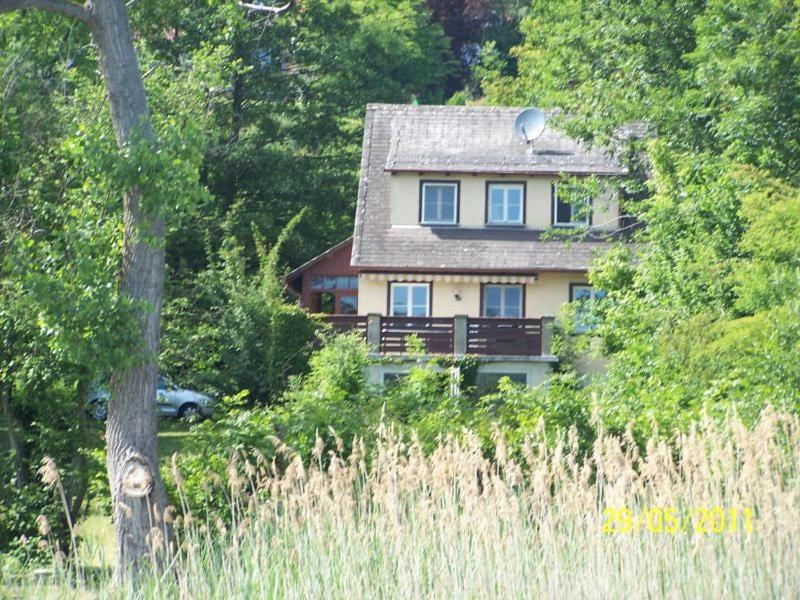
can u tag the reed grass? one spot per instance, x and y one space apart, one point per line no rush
400 523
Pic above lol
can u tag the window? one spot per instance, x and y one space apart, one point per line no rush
486 383
570 214
439 203
333 283
584 296
505 203
327 303
393 378
502 301
410 299
348 305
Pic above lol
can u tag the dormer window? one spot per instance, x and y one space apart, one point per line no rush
505 203
439 202
574 213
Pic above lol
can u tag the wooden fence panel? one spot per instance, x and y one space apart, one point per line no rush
435 333
498 336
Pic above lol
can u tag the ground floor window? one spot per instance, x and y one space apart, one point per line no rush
334 294
486 383
392 378
584 296
410 299
503 301
348 305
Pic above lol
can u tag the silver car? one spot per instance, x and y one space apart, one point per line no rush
171 401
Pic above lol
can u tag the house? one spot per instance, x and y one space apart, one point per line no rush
450 239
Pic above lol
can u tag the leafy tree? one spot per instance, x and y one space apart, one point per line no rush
697 309
145 176
230 330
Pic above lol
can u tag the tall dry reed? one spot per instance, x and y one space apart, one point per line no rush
455 524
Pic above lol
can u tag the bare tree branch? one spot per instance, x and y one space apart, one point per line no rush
273 10
61 7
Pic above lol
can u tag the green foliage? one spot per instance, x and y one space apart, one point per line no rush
332 398
708 76
700 312
63 324
325 411
238 333
706 318
209 447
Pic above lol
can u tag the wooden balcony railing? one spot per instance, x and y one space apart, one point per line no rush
452 335
511 337
436 334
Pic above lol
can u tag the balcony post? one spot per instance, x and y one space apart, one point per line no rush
460 335
374 331
547 335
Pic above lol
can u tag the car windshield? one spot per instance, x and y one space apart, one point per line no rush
163 382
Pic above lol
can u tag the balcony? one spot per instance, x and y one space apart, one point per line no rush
457 335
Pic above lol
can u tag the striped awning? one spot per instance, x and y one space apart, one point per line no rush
451 277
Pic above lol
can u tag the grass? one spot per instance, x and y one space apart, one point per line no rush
455 523
170 435
96 544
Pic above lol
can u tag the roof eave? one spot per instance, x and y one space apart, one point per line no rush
495 171
319 257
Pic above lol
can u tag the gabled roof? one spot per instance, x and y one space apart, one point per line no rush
452 139
294 274
481 139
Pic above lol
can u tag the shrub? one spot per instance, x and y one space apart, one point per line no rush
548 410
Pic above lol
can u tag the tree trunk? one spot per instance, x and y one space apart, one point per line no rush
11 429
136 487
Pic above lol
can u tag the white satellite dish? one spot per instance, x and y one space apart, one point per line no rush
529 124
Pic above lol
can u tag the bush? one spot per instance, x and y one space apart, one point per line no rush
332 397
549 411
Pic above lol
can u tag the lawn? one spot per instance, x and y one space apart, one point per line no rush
95 531
170 435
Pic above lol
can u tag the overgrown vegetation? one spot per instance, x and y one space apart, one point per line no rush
261 118
711 514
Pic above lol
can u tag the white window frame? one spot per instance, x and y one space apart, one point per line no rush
505 187
456 193
572 207
573 298
503 300
410 285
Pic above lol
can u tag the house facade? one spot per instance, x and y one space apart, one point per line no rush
452 238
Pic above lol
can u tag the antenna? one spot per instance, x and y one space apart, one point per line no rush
529 125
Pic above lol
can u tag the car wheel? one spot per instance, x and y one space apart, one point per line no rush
189 412
98 410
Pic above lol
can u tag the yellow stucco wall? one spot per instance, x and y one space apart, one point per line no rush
551 289
544 297
405 188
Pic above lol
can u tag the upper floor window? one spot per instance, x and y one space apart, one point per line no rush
439 202
503 301
572 213
505 203
348 305
410 299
